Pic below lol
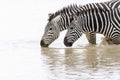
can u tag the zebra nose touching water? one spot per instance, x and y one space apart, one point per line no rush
104 21
51 33
61 20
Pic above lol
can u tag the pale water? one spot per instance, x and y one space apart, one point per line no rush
26 60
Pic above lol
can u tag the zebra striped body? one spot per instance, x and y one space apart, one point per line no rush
61 20
114 4
105 21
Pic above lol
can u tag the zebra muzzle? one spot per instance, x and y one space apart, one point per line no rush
42 43
67 44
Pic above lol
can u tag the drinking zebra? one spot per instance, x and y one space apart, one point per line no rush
61 20
98 20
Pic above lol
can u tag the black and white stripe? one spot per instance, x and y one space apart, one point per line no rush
61 20
98 20
114 4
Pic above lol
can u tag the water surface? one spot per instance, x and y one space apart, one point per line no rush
88 63
26 60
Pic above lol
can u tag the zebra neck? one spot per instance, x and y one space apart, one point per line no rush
62 28
64 23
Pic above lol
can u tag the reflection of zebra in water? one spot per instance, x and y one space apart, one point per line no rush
105 21
60 21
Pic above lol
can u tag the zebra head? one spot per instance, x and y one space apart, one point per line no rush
51 32
74 32
58 22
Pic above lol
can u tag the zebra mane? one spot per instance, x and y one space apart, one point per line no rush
65 9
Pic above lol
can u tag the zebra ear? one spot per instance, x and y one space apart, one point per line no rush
50 14
75 17
71 18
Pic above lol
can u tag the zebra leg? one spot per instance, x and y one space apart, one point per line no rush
108 40
116 40
91 37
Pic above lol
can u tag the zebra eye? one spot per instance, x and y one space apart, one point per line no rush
71 28
50 29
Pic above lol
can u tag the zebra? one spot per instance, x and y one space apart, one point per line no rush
61 20
104 21
114 4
